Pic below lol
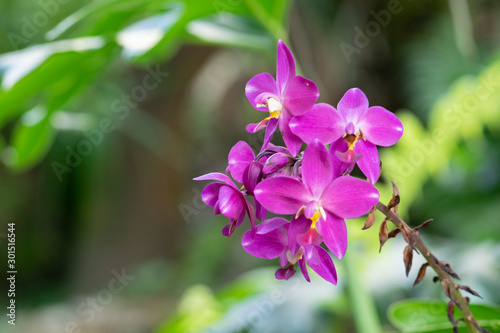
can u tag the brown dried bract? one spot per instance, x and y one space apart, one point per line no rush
421 274
447 268
450 310
394 232
408 258
370 220
395 193
383 234
469 290
423 225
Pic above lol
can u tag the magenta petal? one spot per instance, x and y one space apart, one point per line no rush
320 261
255 127
261 83
334 232
210 194
285 66
252 175
349 197
352 105
292 142
310 237
380 126
239 157
300 96
282 195
311 208
269 245
270 129
370 163
217 176
322 122
276 162
303 269
317 168
270 225
231 227
298 226
283 258
339 167
230 202
284 273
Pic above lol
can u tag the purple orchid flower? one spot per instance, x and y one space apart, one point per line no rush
287 96
227 200
354 129
271 241
320 197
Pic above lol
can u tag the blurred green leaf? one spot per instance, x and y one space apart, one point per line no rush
105 17
431 316
58 70
230 30
31 139
140 37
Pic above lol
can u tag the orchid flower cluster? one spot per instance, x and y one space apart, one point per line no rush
311 188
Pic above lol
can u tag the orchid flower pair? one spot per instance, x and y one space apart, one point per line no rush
312 188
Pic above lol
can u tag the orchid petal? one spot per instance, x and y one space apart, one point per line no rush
266 246
370 163
349 197
217 176
298 226
252 175
270 225
311 209
270 129
239 157
210 194
259 84
231 227
322 122
339 167
255 127
230 202
334 232
320 261
285 66
380 126
276 162
352 105
303 269
317 168
282 195
292 142
284 273
300 95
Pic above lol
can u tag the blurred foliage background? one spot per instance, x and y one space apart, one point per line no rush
109 109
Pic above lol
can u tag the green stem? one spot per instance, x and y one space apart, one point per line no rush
362 305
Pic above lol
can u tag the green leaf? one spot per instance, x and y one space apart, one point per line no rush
230 30
105 17
431 316
31 139
140 37
48 74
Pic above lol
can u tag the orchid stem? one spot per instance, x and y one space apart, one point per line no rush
419 244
